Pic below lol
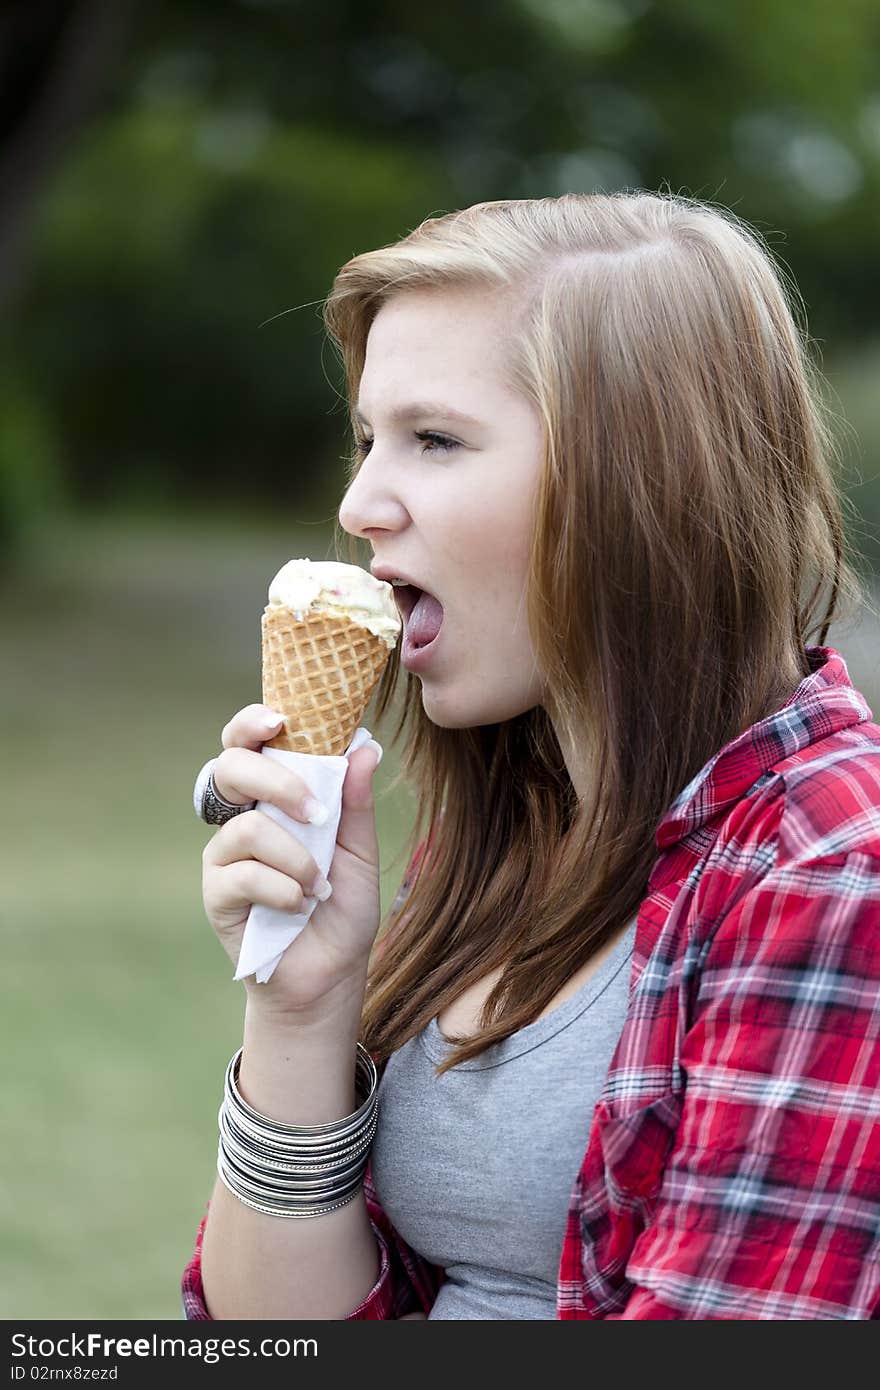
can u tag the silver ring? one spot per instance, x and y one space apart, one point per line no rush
209 805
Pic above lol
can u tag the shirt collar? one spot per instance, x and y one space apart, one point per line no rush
824 702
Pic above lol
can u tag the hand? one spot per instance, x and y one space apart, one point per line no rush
253 859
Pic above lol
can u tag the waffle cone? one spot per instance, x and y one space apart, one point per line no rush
320 672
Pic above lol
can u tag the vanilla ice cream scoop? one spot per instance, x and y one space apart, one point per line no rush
344 591
328 632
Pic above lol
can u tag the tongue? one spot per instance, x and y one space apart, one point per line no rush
424 621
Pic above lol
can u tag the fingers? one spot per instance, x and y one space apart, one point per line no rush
232 890
254 840
251 727
242 775
247 731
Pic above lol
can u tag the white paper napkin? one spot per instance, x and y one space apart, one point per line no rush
269 931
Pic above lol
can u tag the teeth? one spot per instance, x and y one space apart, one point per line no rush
400 583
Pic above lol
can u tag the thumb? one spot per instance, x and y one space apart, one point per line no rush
357 822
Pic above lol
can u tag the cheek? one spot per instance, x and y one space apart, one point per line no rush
488 531
505 545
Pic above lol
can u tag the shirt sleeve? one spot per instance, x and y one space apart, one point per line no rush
194 1306
769 1201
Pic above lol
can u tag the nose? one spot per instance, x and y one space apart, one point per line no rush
368 506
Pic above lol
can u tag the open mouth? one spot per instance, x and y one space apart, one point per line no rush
422 616
406 597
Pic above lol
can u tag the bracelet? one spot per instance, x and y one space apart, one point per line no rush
295 1170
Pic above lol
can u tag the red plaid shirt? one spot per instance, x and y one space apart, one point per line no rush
733 1164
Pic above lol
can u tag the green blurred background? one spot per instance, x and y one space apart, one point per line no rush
178 184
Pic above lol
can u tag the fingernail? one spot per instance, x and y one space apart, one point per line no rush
371 743
322 889
314 812
272 720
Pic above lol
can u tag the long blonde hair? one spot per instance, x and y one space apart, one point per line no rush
688 520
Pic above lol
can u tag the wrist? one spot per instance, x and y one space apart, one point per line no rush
336 1014
300 1075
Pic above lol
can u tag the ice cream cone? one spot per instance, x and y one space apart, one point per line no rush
319 671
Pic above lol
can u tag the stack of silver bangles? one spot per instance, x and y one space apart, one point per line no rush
296 1170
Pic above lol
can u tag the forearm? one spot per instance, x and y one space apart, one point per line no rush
260 1266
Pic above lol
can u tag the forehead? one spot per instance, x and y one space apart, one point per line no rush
425 336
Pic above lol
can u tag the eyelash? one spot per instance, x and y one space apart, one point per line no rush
441 443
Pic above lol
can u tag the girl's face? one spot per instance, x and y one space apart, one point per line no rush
446 494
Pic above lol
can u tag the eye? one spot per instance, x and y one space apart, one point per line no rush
434 443
439 442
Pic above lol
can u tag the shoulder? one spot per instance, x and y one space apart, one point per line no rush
831 797
824 799
795 832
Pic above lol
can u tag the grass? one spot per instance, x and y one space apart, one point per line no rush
125 647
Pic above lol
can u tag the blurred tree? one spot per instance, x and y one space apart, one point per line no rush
242 150
171 251
54 56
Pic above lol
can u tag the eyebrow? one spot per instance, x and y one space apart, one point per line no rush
409 412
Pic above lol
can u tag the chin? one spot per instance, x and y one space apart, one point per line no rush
446 719
481 713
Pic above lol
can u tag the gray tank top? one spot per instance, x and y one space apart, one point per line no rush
476 1168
